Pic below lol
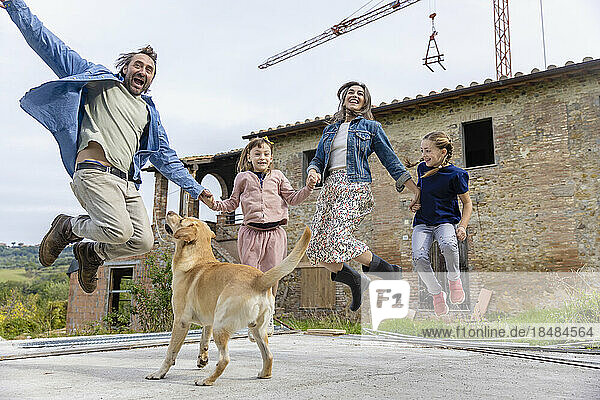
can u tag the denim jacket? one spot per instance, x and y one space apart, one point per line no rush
364 137
58 104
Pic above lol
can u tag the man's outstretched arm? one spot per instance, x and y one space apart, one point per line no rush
55 53
170 166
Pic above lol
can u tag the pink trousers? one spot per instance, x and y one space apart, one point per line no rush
262 249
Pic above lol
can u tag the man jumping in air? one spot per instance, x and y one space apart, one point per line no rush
106 127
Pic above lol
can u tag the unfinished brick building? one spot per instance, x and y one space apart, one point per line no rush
530 143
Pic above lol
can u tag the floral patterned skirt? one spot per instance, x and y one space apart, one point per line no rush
341 207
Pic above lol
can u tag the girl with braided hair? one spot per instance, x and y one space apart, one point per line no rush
438 217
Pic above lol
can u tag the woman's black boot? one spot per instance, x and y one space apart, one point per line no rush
358 283
394 272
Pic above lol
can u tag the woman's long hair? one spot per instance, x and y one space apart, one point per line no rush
243 163
342 111
442 141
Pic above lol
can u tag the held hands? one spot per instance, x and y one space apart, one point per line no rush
461 233
415 204
207 198
313 178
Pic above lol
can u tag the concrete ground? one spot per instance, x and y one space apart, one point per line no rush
305 367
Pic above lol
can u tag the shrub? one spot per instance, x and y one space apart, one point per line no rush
18 314
32 309
151 297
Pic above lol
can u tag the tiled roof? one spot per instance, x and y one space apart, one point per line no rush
203 159
588 63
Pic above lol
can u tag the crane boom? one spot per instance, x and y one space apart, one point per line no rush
339 29
501 31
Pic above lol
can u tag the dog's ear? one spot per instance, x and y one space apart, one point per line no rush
209 232
186 234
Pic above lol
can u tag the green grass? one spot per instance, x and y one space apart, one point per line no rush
16 275
411 327
329 322
583 308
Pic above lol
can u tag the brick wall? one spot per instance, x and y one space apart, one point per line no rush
84 309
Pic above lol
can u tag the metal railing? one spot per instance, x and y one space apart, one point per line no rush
229 218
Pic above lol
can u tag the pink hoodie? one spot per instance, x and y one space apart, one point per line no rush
268 203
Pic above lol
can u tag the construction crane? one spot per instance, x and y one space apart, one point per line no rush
502 34
501 29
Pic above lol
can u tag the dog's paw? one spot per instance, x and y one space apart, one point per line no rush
202 363
204 382
260 376
156 375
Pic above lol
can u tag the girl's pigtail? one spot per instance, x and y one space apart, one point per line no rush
409 164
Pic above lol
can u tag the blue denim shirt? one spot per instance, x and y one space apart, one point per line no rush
58 104
364 137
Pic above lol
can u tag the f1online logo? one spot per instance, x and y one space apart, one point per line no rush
389 300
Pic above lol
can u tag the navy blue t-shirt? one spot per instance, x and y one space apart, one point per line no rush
439 201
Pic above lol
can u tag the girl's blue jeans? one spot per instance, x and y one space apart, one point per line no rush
422 237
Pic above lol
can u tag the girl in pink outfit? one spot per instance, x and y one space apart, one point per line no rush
264 194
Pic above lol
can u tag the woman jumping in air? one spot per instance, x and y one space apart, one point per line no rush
346 198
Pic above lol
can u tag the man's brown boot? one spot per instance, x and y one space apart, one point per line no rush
89 261
58 237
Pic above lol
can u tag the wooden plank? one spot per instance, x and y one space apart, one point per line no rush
325 332
482 304
316 288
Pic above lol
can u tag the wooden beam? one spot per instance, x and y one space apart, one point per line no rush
482 304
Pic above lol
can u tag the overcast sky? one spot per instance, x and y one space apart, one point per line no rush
210 92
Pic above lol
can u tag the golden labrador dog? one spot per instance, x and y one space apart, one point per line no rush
222 297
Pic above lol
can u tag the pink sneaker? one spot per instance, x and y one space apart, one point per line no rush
439 304
457 294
